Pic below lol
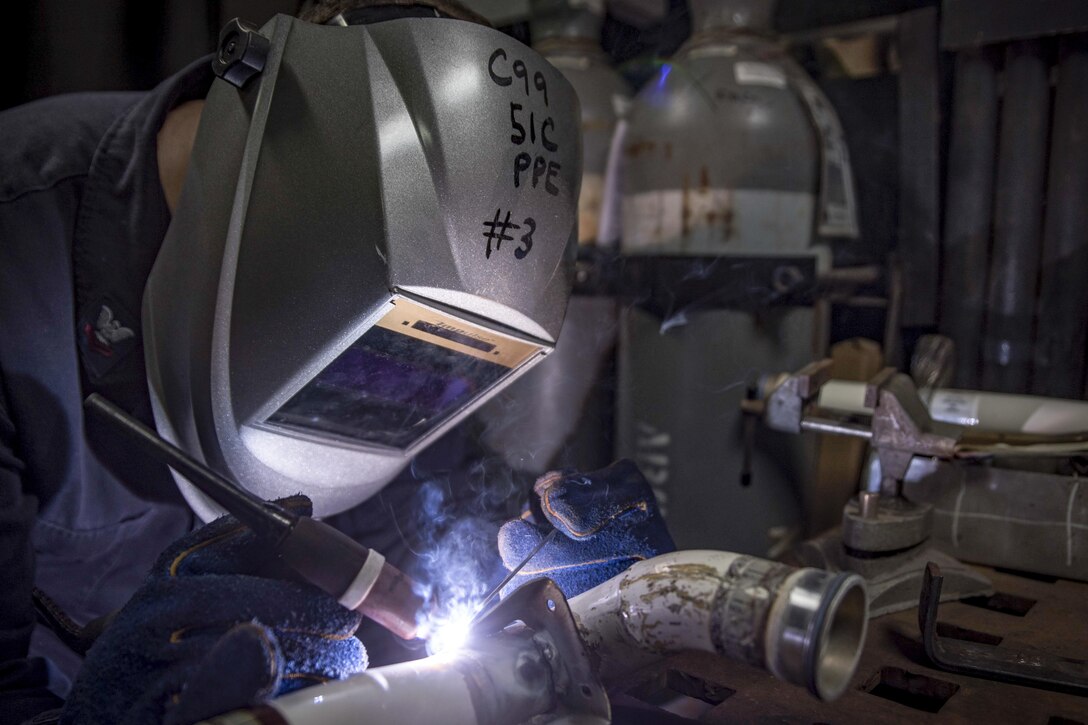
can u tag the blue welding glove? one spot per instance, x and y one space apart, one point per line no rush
219 624
608 520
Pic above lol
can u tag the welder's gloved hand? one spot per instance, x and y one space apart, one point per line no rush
607 521
219 624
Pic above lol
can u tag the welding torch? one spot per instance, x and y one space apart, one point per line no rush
359 578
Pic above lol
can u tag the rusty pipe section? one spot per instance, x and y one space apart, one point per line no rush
806 626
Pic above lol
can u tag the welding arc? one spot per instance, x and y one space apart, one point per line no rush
514 572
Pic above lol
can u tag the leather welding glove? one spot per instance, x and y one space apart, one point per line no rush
219 624
607 519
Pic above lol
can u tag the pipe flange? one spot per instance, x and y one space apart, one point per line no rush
741 609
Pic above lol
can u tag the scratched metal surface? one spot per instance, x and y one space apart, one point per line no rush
1056 623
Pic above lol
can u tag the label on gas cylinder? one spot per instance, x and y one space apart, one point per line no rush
713 220
752 73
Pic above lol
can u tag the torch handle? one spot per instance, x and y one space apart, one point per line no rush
358 577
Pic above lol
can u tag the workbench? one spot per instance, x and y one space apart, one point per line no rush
895 682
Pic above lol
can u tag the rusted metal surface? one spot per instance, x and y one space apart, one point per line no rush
1019 665
804 625
786 404
893 656
740 622
902 427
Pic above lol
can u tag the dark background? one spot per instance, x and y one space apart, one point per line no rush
61 46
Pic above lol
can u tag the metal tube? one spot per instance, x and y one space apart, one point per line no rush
1018 206
995 412
806 626
1062 312
970 208
503 679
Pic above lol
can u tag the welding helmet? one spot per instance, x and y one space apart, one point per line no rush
376 234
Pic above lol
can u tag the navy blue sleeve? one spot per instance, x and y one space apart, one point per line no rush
24 681
17 511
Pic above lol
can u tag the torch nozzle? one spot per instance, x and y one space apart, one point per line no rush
360 578
394 602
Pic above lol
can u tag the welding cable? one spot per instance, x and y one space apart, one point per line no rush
358 577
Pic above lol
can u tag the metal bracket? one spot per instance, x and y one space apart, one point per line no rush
665 285
541 606
1019 665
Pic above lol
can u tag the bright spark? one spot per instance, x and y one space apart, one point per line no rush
448 632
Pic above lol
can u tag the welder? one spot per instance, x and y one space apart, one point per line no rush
303 261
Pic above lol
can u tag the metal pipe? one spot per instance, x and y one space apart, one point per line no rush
1018 206
970 208
806 626
995 412
507 679
1062 312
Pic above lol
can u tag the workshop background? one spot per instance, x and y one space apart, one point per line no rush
966 127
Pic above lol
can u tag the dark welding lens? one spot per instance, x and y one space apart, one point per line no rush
405 376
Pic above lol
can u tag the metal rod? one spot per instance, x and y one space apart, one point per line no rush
1018 665
264 517
1018 211
514 572
869 504
969 219
919 165
834 427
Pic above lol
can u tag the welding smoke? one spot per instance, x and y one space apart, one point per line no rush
458 564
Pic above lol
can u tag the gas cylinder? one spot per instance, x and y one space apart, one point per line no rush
561 412
730 150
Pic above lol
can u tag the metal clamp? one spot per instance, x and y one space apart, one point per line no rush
541 606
